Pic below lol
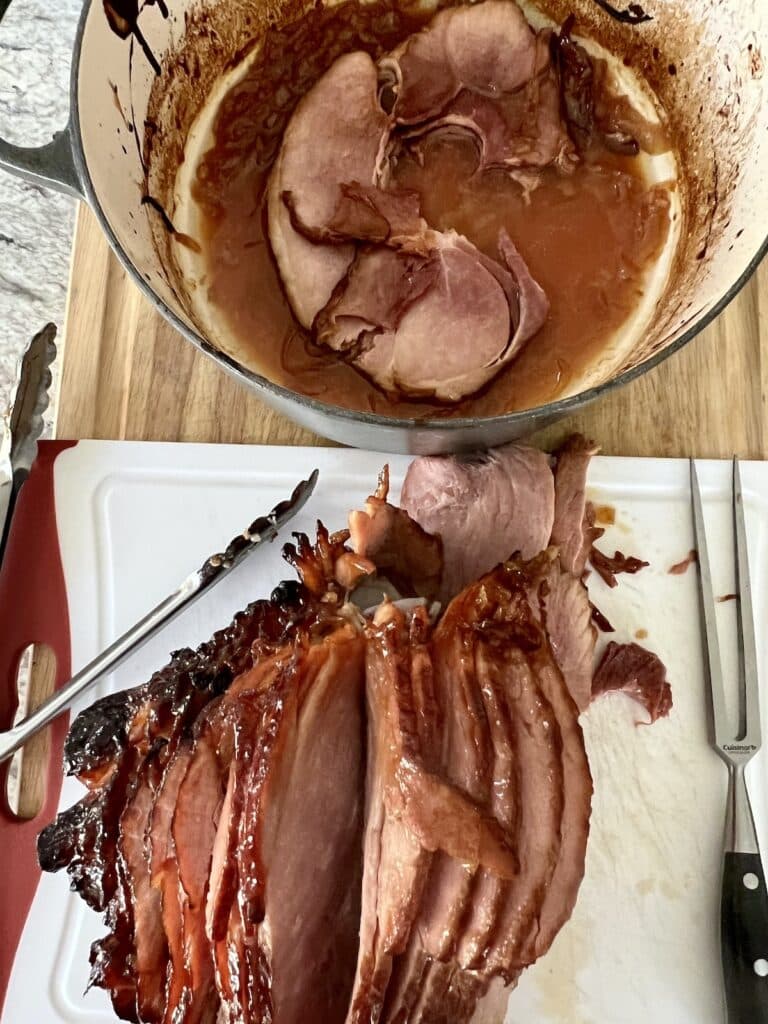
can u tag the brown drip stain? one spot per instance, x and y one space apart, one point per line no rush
641 634
682 566
119 106
632 15
183 239
727 597
123 18
587 237
605 515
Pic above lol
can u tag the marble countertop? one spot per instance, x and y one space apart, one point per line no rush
36 38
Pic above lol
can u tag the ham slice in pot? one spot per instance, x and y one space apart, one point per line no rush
341 124
404 316
420 312
487 48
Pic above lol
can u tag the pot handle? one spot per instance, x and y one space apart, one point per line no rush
52 164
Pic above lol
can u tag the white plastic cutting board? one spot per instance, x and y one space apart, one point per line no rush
133 519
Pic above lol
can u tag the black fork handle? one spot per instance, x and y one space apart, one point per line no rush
744 938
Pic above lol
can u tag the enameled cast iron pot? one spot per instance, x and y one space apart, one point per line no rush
705 59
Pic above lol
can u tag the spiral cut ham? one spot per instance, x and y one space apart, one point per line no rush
335 816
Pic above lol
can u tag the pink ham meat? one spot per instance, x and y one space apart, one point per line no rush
512 132
425 351
567 614
488 48
481 69
573 530
457 497
392 543
325 816
290 923
337 134
363 213
422 313
403 310
510 739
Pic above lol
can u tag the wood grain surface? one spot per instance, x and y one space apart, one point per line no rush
128 374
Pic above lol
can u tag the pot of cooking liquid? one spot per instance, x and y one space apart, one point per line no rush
423 228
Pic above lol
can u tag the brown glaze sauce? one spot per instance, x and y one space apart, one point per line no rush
605 515
588 237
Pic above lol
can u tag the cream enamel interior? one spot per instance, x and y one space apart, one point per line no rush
716 101
185 214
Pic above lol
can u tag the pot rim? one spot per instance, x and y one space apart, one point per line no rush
547 412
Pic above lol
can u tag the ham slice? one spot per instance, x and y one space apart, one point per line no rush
341 124
402 316
456 497
360 266
481 69
572 530
395 545
487 48
299 851
638 673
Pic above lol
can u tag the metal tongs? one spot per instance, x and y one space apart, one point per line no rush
261 531
744 900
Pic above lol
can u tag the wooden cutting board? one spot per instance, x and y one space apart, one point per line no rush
128 374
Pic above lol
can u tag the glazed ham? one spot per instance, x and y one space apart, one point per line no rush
351 816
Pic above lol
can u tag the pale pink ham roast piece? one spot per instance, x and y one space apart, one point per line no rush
432 317
457 497
337 134
573 530
481 69
488 48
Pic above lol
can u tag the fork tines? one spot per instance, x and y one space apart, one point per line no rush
744 743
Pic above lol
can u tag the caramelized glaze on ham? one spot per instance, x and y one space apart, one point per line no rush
345 818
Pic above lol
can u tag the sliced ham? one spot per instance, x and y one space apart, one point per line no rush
343 817
361 268
488 48
519 131
164 876
395 545
457 497
149 939
572 530
300 829
567 614
341 124
363 213
402 315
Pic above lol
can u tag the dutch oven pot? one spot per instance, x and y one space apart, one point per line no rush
704 58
